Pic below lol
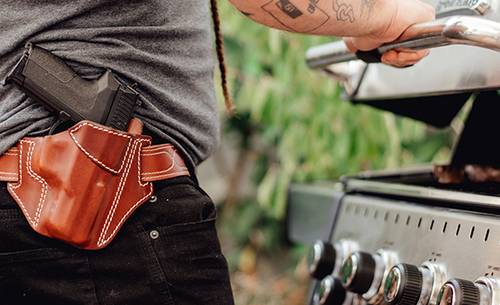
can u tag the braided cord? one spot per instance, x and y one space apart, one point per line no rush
219 47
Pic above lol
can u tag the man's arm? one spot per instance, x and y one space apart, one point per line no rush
323 17
366 23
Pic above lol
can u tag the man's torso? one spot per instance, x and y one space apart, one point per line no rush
162 45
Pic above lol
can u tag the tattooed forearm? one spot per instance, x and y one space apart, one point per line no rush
344 12
323 17
297 16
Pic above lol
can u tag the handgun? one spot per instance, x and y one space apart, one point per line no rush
49 80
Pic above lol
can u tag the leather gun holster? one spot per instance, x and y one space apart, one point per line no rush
82 184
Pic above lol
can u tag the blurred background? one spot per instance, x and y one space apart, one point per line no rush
291 125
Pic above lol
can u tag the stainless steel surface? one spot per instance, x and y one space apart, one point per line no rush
450 243
439 277
349 270
465 243
421 192
311 211
343 248
315 256
448 69
448 295
393 285
484 294
385 260
481 6
468 7
325 289
493 286
427 286
349 74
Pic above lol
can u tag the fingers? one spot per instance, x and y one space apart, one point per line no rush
397 58
350 44
401 59
407 13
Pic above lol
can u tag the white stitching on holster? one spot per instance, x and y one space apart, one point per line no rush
148 184
8 173
157 147
139 163
164 176
12 187
117 198
43 196
172 159
76 128
128 213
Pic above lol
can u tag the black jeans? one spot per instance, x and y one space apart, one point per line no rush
168 252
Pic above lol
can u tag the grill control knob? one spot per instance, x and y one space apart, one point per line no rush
358 271
325 259
363 273
331 292
321 259
459 292
403 285
484 291
411 285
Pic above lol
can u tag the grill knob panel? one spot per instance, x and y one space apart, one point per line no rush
403 285
321 259
357 272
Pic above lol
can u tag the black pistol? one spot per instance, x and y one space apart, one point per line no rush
47 79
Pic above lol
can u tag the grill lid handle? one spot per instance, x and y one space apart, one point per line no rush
456 30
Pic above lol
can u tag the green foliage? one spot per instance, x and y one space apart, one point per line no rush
307 131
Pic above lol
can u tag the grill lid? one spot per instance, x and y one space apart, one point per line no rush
465 40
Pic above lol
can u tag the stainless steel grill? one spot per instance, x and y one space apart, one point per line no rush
464 40
402 237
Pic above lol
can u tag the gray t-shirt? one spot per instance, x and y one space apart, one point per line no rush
163 45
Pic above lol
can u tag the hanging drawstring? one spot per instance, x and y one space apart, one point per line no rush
219 47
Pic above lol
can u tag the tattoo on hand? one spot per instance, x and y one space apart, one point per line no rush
344 12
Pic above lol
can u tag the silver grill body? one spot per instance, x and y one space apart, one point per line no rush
466 244
459 230
453 228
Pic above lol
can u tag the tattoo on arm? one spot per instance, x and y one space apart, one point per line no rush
294 18
344 12
289 8
308 18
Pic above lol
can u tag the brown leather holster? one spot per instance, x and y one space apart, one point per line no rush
82 184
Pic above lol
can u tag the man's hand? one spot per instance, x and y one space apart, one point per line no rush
367 23
406 14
